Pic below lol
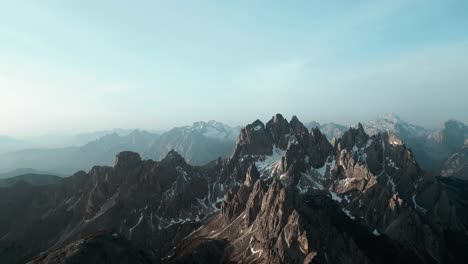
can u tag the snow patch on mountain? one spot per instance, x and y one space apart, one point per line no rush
268 165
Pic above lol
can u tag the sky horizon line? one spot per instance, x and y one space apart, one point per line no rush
264 120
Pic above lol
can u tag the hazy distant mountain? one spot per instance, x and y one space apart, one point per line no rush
457 164
451 135
393 123
63 140
387 123
438 146
200 143
31 178
10 144
68 160
330 130
432 148
21 171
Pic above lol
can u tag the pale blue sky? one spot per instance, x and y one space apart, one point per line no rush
71 66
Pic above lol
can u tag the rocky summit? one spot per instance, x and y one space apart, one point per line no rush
286 194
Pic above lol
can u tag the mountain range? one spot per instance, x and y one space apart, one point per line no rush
10 144
200 143
436 150
285 194
432 148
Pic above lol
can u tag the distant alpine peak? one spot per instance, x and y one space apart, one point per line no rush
212 129
392 117
202 124
391 122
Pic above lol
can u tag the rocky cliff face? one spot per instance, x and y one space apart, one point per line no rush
280 225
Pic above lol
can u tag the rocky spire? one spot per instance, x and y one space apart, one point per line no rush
279 128
173 157
253 140
296 126
354 137
252 175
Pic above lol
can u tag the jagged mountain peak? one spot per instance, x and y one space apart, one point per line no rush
278 127
203 125
360 128
278 118
393 123
316 133
212 130
296 126
354 137
256 125
253 139
259 140
173 157
127 159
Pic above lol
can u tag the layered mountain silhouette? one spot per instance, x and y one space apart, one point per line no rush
31 178
432 149
199 143
286 194
203 142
